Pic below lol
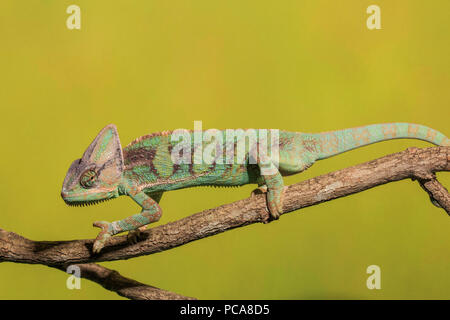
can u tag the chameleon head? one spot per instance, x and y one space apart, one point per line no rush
97 175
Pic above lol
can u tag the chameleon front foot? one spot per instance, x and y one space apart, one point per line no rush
134 236
102 237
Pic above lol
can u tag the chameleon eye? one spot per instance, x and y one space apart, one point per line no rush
88 179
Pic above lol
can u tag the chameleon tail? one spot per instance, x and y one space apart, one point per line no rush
336 142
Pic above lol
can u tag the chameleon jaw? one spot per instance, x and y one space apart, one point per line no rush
83 200
84 203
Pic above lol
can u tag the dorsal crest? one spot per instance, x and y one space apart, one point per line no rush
148 136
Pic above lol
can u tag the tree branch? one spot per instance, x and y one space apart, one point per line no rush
437 192
113 281
413 163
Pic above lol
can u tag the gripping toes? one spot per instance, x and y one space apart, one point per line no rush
103 236
275 202
259 190
134 236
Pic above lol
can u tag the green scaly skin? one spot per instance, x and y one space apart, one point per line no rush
144 169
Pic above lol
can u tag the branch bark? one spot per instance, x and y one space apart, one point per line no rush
113 281
413 163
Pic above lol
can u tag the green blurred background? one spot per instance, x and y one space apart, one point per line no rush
298 65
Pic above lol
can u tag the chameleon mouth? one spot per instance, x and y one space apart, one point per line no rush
85 203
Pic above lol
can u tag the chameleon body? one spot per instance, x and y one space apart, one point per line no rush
145 169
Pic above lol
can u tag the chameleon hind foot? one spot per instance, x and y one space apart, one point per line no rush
135 235
103 236
275 202
259 190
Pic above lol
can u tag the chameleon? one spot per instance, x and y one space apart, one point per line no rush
145 168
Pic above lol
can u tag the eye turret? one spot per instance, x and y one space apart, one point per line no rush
88 179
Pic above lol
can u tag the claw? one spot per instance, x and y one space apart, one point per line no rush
275 203
274 211
133 236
